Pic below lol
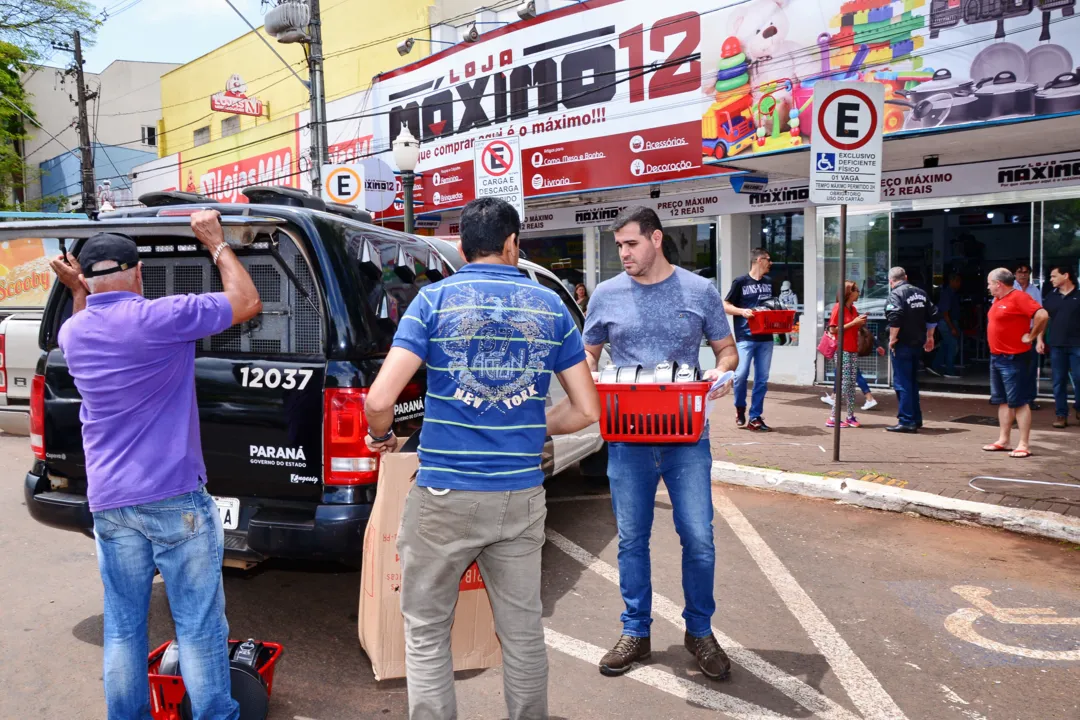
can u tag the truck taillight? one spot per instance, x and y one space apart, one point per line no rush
346 457
3 368
37 416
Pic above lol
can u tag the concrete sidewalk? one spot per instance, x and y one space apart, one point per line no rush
943 459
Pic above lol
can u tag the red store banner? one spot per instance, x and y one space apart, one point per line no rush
600 97
612 93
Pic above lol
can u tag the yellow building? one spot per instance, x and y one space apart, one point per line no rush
204 150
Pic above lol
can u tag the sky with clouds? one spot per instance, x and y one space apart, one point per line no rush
174 31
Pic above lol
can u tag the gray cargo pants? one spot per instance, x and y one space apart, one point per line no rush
440 536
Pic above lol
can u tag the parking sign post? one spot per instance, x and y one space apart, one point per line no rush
845 167
497 170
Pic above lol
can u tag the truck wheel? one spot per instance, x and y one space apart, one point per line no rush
720 151
594 467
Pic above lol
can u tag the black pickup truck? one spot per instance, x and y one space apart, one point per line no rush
281 397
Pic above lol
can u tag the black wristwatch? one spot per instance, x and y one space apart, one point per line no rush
389 434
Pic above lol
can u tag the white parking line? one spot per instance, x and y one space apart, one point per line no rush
861 685
663 680
791 686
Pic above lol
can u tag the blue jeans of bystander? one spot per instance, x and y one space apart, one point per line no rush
182 537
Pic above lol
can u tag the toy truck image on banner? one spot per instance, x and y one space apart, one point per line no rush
626 92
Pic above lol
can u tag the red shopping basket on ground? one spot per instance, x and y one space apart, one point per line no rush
647 413
167 691
772 321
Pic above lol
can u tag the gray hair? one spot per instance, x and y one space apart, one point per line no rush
123 280
897 273
1003 276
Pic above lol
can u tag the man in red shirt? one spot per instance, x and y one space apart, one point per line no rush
1015 321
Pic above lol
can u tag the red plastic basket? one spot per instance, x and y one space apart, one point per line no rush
771 321
167 691
646 413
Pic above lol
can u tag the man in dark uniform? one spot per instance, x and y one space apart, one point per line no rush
912 319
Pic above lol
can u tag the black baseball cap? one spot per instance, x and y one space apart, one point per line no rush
108 246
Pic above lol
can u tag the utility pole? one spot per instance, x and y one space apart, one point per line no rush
89 199
320 153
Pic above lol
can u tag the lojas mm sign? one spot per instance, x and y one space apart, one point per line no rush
235 100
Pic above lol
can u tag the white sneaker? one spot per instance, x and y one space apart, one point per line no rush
827 399
870 404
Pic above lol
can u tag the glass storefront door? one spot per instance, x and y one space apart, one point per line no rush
563 255
956 248
868 266
1057 244
782 234
690 246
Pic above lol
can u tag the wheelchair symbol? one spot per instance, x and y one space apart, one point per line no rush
826 162
962 624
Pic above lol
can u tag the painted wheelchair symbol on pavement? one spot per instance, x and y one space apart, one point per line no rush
962 623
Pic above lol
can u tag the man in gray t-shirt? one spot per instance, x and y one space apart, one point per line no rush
651 313
647 324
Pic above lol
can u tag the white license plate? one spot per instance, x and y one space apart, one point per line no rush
229 509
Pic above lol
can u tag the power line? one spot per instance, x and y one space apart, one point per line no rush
31 119
502 5
645 69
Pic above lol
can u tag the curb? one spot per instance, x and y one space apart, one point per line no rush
884 497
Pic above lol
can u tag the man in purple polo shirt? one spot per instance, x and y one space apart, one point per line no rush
133 362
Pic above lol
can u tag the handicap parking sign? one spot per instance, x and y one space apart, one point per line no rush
826 162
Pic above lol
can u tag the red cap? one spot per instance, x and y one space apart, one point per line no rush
731 48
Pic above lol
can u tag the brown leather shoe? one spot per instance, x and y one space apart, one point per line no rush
626 652
1061 421
711 658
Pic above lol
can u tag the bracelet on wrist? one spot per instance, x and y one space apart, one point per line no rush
389 434
217 253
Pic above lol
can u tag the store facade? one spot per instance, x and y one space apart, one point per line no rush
612 101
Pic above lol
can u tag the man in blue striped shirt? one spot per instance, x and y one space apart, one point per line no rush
491 340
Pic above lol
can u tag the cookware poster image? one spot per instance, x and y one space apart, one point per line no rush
942 62
612 93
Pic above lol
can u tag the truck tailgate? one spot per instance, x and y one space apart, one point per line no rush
21 354
261 426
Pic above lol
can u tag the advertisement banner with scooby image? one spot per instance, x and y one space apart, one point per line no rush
25 276
942 62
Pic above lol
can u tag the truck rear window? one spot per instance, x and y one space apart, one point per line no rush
289 324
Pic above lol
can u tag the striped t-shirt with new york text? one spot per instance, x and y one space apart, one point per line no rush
491 339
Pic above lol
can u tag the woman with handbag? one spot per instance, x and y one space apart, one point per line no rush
848 361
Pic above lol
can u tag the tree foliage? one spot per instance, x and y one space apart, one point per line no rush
34 25
12 133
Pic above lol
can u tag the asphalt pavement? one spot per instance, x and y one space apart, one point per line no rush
828 610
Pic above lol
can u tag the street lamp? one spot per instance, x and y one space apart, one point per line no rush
406 154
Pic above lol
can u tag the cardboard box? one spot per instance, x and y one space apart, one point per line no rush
382 627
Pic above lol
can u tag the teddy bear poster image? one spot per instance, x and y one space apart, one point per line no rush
942 62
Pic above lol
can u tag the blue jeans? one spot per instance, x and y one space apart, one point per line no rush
634 471
760 353
1033 375
906 381
1010 380
861 382
945 360
1065 361
182 537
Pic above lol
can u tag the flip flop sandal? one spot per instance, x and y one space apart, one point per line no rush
994 447
728 63
1019 454
734 83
